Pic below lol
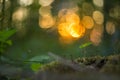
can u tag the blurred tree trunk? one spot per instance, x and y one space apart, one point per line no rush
11 12
12 7
6 13
3 14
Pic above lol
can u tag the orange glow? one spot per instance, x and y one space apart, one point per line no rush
69 26
63 30
68 16
71 30
64 40
46 21
87 22
71 17
76 31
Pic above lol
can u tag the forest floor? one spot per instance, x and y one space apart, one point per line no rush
86 68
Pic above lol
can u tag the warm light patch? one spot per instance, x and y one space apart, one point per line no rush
96 34
63 30
68 15
110 27
87 22
43 11
69 26
76 31
20 14
95 37
64 40
1 1
98 3
46 21
25 2
99 28
98 17
71 17
71 30
45 2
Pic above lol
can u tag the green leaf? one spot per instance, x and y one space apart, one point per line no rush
9 42
85 45
36 66
41 59
5 34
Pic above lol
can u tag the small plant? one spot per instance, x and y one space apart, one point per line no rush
37 62
4 39
85 45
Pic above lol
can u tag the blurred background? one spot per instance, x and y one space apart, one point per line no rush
77 28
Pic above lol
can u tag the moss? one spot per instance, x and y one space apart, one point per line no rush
57 67
89 60
110 64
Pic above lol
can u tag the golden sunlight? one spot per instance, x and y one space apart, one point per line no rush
25 2
46 21
69 26
88 22
76 31
70 32
98 17
63 30
20 14
43 11
45 2
68 15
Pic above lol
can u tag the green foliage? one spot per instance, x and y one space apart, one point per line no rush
41 58
38 61
85 45
36 66
4 39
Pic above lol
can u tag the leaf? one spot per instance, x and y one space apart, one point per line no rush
5 34
9 42
85 45
41 59
36 66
